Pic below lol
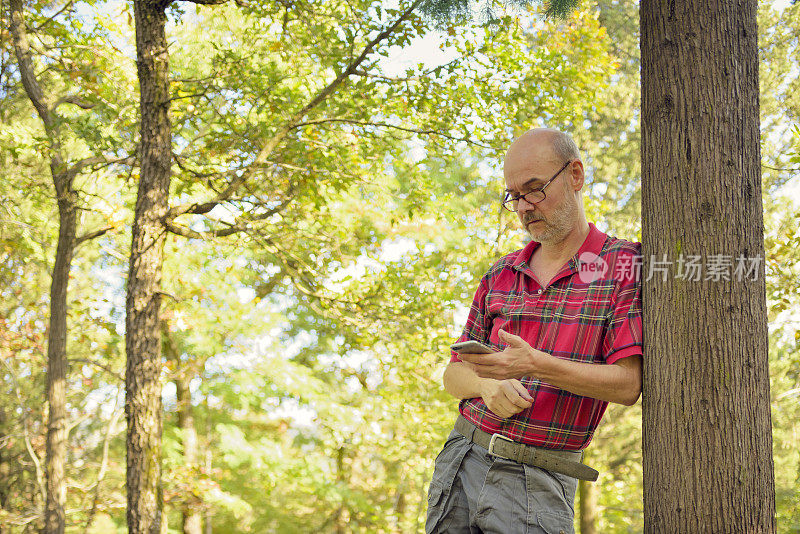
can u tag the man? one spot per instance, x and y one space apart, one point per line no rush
564 314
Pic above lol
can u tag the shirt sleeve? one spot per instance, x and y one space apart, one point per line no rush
623 337
478 325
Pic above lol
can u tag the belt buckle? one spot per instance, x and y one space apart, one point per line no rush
492 442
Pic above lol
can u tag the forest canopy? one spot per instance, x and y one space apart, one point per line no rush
334 199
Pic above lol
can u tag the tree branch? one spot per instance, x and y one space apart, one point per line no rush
37 464
193 95
115 415
402 79
241 226
365 74
395 127
75 422
52 18
177 229
25 62
100 365
78 166
75 100
95 234
199 208
782 169
296 118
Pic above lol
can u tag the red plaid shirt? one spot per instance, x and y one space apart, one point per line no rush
585 316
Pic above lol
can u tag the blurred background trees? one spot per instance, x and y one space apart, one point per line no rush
306 311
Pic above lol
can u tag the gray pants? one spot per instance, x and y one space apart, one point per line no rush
474 492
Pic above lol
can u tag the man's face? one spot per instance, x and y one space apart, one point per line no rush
552 219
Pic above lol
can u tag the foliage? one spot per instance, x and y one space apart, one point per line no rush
315 339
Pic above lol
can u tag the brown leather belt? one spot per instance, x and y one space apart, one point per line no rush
499 445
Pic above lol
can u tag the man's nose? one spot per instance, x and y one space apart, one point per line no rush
524 205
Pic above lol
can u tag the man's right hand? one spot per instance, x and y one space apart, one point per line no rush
505 397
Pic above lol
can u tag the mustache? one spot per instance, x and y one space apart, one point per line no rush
530 217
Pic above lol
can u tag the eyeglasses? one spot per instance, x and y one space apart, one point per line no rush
511 200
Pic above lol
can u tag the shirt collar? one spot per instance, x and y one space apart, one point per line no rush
593 243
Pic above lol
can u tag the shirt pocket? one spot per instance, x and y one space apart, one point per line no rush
508 310
584 304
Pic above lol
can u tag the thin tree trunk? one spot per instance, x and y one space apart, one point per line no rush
706 421
66 196
142 337
587 495
5 468
55 519
103 469
208 514
191 518
339 516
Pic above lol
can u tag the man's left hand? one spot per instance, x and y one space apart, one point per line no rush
517 360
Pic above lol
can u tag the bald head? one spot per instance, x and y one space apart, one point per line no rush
544 144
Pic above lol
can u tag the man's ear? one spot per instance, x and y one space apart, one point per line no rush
576 175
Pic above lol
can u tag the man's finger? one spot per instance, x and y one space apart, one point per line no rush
514 396
511 339
507 408
519 402
522 390
477 358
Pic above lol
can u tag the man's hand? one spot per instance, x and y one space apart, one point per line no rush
517 360
506 397
619 382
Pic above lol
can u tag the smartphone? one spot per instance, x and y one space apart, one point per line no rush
471 347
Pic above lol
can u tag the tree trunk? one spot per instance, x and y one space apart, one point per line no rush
142 338
707 442
66 196
55 519
6 486
587 495
208 514
191 519
340 515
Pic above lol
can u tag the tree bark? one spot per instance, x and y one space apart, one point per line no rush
67 199
143 300
707 442
55 519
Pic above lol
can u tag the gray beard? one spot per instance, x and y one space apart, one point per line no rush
557 226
